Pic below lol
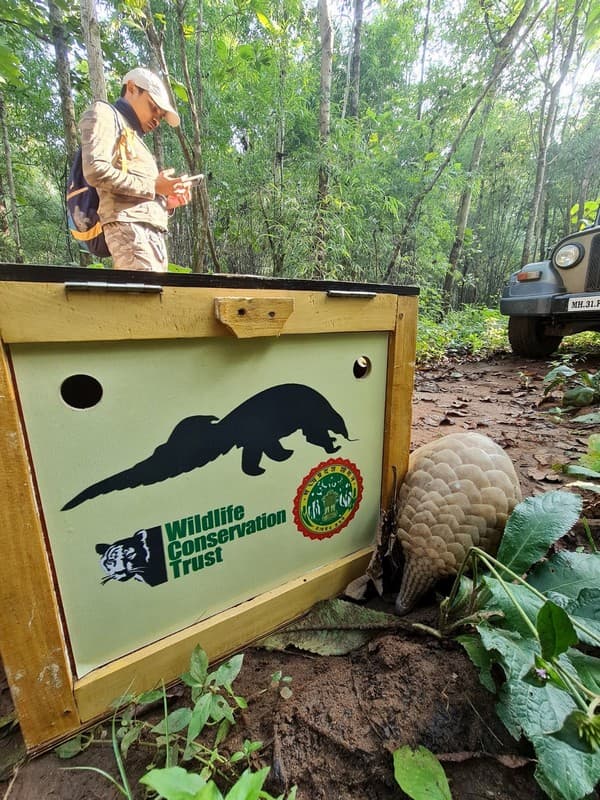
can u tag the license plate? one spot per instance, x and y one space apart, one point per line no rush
591 303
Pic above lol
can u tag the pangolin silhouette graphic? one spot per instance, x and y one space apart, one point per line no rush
255 426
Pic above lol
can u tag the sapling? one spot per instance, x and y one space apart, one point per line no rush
175 738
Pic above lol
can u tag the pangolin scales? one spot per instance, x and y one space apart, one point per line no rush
459 491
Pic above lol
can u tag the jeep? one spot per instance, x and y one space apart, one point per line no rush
547 300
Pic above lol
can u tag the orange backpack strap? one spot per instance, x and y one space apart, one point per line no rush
126 146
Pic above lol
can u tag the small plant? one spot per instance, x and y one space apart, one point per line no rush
529 615
579 388
471 331
211 692
175 783
588 467
123 787
175 738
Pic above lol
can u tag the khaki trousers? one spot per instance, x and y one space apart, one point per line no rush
135 245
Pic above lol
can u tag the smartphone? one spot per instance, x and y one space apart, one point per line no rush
192 179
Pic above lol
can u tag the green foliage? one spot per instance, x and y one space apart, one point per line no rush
123 787
473 330
529 616
255 82
586 215
177 737
579 387
419 774
591 459
16 17
534 526
588 466
176 783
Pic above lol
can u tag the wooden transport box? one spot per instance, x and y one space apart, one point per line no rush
185 460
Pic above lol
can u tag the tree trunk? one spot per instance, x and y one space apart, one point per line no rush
582 196
464 209
64 79
274 222
12 195
200 198
91 36
546 127
545 130
423 59
192 156
4 227
352 92
544 228
326 32
504 53
63 76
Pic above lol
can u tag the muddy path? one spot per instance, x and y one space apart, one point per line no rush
333 737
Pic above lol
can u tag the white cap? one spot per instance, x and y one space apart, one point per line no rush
148 80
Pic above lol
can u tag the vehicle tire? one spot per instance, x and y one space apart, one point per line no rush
527 338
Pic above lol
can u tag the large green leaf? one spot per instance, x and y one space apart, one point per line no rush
174 783
514 652
480 657
209 792
420 775
588 669
535 525
591 459
555 630
588 419
248 786
582 472
497 599
564 772
533 710
585 612
522 707
567 573
176 721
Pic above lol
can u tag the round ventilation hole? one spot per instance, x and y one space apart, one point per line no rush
362 367
81 391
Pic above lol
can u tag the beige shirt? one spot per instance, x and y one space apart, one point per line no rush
125 191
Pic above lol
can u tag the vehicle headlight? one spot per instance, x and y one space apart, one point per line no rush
568 255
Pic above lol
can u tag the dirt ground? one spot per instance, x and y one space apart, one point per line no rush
334 736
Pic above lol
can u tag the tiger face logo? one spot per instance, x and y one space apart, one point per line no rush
139 557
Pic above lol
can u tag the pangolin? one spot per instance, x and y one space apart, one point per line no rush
458 492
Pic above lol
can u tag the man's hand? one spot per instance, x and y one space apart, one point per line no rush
166 184
179 198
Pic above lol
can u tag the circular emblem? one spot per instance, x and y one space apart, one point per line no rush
328 498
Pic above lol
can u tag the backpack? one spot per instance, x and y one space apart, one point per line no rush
82 208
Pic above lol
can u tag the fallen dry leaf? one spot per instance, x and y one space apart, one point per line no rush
510 761
544 458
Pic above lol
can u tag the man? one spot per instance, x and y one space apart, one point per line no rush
135 198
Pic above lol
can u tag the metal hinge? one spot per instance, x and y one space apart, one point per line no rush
103 286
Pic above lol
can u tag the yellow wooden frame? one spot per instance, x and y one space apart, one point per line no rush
50 701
